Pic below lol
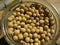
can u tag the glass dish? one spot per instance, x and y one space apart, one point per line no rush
8 10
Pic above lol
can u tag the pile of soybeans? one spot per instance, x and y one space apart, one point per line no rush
31 24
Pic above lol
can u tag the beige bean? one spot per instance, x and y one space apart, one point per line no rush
22 23
37 23
15 38
38 14
34 21
41 21
52 31
11 29
29 21
46 27
14 21
36 11
34 14
44 32
37 19
38 36
14 13
29 13
41 10
31 40
37 30
18 26
19 18
15 25
52 22
18 22
18 13
20 36
49 34
26 26
43 41
27 16
26 9
25 34
24 19
51 18
33 30
28 30
10 18
18 9
42 14
36 39
32 24
46 21
41 29
48 30
22 5
22 15
32 10
36 44
31 44
10 24
22 10
35 35
23 30
10 32
43 35
16 31
30 35
27 5
47 38
16 18
27 39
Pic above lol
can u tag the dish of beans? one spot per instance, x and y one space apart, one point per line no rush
31 24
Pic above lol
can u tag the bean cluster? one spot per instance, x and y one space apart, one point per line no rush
31 24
